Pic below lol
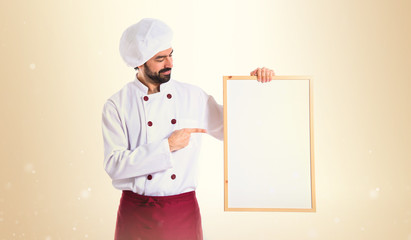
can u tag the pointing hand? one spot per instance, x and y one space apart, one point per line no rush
180 138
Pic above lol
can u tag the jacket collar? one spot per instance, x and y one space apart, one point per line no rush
144 89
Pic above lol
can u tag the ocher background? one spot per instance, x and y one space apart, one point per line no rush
60 62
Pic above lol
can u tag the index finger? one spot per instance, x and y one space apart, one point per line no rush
196 130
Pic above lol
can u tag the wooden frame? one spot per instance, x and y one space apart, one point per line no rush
282 179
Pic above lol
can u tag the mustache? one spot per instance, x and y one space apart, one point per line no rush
164 70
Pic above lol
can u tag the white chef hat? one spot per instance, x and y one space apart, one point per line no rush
143 40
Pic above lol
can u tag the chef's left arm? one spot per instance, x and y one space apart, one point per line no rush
214 117
263 74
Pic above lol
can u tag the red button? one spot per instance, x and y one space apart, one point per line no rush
173 121
150 123
149 177
145 98
169 96
173 176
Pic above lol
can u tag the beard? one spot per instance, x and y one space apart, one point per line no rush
157 77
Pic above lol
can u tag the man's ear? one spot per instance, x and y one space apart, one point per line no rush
139 68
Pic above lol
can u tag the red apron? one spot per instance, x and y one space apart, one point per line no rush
158 218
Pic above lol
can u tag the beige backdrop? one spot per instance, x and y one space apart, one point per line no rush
59 62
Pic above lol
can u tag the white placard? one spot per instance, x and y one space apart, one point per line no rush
268 148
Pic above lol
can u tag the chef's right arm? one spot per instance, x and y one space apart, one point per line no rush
119 161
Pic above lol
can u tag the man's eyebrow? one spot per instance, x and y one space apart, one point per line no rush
164 56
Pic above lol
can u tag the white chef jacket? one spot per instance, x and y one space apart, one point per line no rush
136 127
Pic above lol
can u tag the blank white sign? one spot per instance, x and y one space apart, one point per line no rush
268 148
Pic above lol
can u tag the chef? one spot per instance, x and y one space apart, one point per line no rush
152 132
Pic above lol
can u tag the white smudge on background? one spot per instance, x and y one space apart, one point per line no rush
337 220
85 194
48 238
29 168
362 228
32 66
374 193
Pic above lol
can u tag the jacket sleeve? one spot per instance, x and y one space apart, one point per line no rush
214 118
120 162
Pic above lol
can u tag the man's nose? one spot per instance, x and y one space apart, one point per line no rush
169 62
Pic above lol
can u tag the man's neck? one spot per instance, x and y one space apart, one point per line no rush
152 87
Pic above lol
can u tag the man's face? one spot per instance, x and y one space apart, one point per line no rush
158 68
